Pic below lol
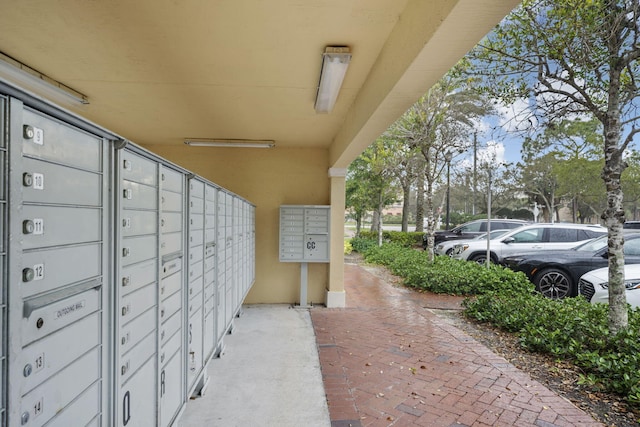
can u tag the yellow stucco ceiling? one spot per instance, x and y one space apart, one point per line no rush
158 71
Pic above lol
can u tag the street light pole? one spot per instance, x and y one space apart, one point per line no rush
448 156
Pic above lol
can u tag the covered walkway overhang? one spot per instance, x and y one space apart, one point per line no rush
159 72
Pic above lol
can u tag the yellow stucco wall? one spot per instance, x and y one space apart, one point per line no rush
267 178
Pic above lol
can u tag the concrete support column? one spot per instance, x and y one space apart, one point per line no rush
335 292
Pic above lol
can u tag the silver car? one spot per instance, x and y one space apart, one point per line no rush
527 239
447 247
594 285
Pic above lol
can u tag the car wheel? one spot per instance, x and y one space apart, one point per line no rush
481 258
554 284
450 252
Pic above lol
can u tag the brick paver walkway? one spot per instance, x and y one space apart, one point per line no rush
387 360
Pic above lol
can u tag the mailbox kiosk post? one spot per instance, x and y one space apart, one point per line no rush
304 238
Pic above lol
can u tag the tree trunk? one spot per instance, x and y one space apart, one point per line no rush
375 221
614 213
431 223
405 207
420 205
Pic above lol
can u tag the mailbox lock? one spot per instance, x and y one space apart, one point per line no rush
28 226
28 132
24 418
40 323
27 370
27 274
27 179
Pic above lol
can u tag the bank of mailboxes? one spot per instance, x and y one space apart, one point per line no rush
304 233
121 274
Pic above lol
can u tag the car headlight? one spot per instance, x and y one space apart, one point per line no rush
440 246
628 284
464 248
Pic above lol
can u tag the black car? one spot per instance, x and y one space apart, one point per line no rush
556 273
471 229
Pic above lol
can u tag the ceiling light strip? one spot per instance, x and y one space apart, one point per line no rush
335 61
234 143
26 77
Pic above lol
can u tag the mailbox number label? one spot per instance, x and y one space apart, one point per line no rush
38 226
38 272
311 245
38 181
38 364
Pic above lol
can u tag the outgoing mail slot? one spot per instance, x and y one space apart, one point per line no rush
47 356
46 401
133 332
138 169
45 182
136 276
136 303
42 317
136 357
137 249
170 285
170 266
138 196
316 248
138 223
137 399
61 225
172 180
209 250
46 270
62 143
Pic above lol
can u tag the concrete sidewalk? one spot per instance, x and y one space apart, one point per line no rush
269 375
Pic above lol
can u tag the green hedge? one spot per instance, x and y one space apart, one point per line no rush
571 329
407 239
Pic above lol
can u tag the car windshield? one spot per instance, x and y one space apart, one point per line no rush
592 245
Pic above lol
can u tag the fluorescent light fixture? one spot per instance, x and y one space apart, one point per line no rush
235 143
27 78
335 61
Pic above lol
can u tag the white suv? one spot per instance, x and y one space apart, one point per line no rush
527 239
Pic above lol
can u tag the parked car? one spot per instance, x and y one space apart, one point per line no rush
556 273
631 225
471 229
594 285
446 247
529 238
